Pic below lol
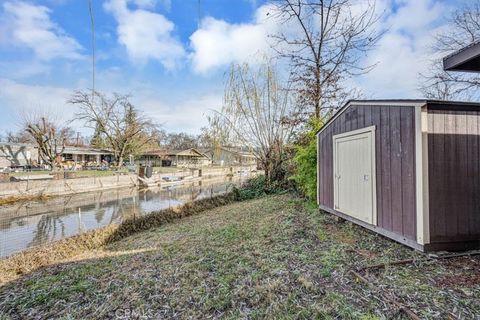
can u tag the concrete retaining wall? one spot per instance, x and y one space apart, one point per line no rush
219 171
206 172
65 186
78 185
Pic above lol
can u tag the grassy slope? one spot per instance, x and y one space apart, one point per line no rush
270 257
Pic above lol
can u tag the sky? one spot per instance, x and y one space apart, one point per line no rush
172 56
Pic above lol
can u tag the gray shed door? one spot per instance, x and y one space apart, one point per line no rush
354 180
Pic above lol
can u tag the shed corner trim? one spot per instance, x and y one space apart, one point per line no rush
421 176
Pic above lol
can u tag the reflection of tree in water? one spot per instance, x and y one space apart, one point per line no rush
49 227
99 214
123 208
52 226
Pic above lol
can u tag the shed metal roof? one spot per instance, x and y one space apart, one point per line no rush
466 59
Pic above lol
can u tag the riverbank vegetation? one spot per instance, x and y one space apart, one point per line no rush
22 198
35 258
272 257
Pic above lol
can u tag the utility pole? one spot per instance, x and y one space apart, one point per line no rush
92 23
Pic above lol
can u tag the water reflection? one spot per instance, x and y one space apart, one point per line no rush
36 223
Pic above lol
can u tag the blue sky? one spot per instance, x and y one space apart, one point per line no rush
172 55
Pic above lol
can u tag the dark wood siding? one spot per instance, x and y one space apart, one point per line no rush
395 162
454 172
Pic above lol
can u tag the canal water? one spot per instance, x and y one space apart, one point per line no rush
35 223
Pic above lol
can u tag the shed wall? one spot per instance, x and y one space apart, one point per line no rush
454 173
395 162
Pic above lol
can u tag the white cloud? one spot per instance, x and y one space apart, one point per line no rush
145 34
19 99
183 112
218 43
184 115
30 26
145 4
404 50
151 4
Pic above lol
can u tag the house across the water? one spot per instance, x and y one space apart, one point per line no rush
26 154
180 158
225 156
86 155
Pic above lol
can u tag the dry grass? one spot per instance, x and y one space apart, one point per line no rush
275 258
14 199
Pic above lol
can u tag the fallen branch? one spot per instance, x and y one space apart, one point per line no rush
448 255
400 306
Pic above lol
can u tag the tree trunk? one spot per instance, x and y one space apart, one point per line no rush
120 161
317 89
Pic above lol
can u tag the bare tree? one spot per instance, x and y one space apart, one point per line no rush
216 134
256 108
325 42
463 30
49 139
18 137
180 140
124 128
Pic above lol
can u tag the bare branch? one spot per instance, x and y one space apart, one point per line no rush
124 129
332 37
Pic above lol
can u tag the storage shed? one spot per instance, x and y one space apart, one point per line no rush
407 169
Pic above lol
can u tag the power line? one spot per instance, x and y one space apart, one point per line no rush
199 7
92 22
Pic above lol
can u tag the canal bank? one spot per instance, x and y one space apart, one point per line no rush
30 224
30 187
88 242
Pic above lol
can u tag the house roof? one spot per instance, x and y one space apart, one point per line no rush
395 103
15 144
68 149
85 150
187 152
466 59
239 152
231 150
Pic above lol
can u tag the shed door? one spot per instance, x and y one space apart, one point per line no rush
354 179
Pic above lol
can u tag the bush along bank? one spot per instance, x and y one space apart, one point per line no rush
259 187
